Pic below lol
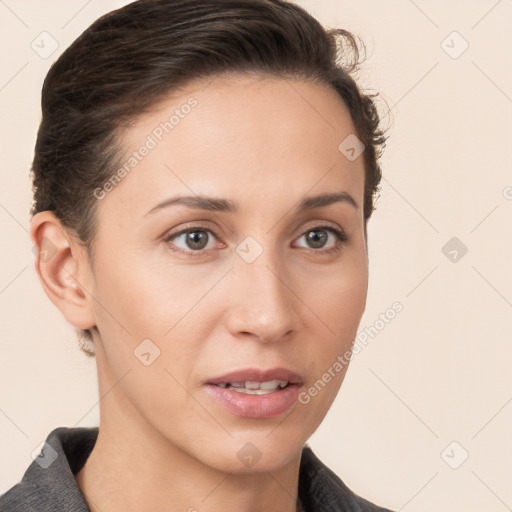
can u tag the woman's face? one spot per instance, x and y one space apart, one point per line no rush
260 289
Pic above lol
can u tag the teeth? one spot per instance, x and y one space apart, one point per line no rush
272 384
254 387
254 391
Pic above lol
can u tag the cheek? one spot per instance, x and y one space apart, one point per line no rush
339 296
335 307
137 298
141 309
147 333
339 307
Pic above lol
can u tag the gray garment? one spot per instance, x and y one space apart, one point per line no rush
49 484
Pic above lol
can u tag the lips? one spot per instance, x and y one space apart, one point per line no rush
257 375
254 393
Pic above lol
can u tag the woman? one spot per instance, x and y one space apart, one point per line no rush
203 177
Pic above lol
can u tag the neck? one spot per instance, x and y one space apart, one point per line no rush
132 467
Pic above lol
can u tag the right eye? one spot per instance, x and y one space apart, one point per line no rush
194 239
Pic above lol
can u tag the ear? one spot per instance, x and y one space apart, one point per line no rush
63 269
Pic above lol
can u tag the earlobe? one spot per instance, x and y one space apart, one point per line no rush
62 270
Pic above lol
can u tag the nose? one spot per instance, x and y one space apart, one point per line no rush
262 300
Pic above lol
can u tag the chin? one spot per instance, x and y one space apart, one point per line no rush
254 452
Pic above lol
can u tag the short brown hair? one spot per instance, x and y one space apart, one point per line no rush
131 58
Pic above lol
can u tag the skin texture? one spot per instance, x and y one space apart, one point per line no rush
164 443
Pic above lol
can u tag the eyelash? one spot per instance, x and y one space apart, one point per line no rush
342 237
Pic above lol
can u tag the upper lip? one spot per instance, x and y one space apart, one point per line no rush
258 375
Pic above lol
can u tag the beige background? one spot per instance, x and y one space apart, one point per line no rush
440 371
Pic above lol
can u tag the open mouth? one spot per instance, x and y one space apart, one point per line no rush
254 387
256 393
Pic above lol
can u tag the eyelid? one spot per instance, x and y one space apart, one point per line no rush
320 225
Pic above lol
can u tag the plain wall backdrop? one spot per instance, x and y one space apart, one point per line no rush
424 416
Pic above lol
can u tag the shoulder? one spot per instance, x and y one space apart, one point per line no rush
49 482
321 489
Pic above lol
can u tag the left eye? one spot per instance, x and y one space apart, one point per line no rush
197 239
318 237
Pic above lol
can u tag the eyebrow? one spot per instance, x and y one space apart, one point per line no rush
201 202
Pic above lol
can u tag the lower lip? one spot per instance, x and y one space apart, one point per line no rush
255 406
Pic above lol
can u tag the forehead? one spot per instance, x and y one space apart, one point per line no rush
242 136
